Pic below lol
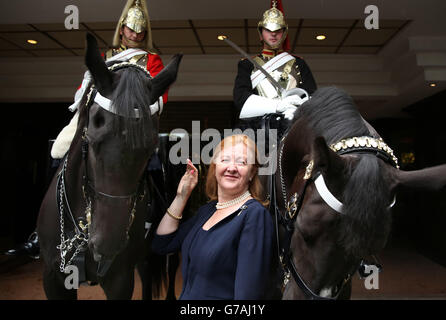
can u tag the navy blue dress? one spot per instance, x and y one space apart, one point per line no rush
229 261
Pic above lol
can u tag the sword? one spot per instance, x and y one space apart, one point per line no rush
273 81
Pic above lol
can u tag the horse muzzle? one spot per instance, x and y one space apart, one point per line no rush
103 251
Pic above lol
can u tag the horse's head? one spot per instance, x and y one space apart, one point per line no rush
119 133
346 209
339 181
342 203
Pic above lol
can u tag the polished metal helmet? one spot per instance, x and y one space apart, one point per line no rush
136 17
273 20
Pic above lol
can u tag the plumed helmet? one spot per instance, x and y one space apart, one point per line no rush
273 20
136 17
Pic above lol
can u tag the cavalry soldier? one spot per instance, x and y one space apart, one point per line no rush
255 96
132 42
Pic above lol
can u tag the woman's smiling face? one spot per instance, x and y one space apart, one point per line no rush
233 170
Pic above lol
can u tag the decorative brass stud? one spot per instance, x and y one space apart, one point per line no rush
291 206
309 170
356 142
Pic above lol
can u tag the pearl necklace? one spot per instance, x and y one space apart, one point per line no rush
222 205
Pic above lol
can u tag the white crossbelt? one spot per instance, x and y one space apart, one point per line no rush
270 66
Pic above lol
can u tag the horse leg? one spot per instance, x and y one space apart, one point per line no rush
173 262
54 285
146 279
346 292
118 284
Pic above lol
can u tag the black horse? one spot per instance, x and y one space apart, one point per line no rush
335 186
94 211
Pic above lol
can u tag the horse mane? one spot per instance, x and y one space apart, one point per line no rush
332 114
365 223
132 92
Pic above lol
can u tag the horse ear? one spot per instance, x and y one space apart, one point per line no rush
103 78
324 158
161 82
429 179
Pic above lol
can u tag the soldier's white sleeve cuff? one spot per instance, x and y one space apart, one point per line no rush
157 106
256 106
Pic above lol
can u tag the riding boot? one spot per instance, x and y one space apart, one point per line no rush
30 247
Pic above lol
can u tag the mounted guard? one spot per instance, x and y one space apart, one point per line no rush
132 42
255 95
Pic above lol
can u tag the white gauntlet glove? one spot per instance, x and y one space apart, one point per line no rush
289 112
286 103
292 99
258 106
299 96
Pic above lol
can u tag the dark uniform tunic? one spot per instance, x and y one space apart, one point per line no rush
243 86
294 73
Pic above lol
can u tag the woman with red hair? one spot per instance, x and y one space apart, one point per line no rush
227 246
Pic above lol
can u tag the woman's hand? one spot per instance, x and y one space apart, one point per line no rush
188 181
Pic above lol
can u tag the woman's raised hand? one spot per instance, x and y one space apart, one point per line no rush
188 181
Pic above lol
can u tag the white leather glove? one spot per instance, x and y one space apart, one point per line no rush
299 96
258 106
286 103
288 113
293 100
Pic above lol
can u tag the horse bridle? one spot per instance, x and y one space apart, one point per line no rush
81 237
87 185
294 205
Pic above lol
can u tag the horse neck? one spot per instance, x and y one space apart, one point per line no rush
74 176
296 145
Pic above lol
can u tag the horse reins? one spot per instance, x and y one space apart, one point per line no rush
294 205
287 220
